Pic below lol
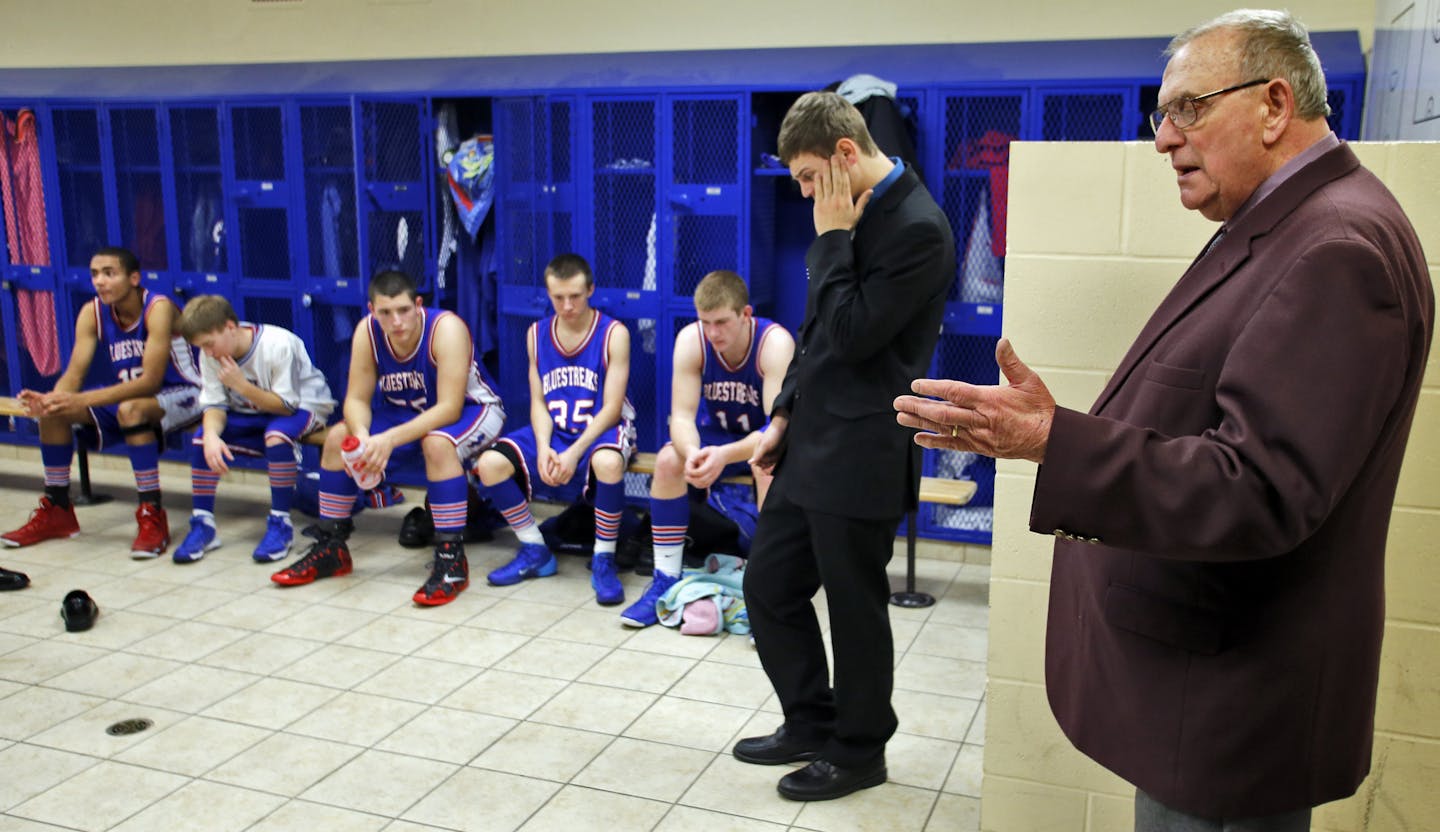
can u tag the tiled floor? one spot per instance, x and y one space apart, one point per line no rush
343 706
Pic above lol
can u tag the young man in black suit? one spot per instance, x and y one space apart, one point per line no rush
879 270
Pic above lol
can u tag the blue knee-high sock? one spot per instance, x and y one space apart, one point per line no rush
145 459
203 481
337 495
56 459
283 471
669 520
448 503
609 502
510 501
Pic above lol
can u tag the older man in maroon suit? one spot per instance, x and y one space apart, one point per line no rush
1217 593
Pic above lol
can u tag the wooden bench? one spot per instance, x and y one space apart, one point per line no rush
936 490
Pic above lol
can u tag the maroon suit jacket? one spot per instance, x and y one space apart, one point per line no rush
1217 593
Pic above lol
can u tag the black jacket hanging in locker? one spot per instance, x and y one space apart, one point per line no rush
888 126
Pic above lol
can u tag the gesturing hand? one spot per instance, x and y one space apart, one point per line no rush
1008 421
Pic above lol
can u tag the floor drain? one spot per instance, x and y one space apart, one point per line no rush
126 727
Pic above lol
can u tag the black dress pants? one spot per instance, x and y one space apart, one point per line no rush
795 552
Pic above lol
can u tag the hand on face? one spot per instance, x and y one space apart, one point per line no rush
835 208
230 373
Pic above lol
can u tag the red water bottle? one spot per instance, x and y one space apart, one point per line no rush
350 450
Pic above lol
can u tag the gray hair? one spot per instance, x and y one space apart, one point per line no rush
1273 45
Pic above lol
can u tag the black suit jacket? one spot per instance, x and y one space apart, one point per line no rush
1218 645
872 317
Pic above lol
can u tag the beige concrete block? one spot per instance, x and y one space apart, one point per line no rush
1016 467
1111 814
1016 551
1375 156
1409 697
1078 389
1017 630
1399 795
1412 572
1431 381
1081 313
1414 177
1013 805
1346 815
1420 476
1064 198
1156 224
1022 740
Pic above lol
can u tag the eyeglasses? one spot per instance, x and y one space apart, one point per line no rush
1182 112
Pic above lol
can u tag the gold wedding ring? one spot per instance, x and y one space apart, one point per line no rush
954 431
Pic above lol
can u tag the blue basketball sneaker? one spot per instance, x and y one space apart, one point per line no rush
201 538
642 613
275 545
608 591
532 561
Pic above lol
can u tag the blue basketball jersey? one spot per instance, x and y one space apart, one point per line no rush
125 346
732 398
408 382
573 383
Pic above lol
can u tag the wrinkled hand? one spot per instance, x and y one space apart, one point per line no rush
835 208
1008 421
767 451
704 467
217 454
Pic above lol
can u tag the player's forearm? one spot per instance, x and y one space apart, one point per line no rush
139 388
541 424
741 449
684 436
357 416
215 420
266 401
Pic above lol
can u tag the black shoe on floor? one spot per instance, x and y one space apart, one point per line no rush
12 580
417 530
79 611
777 748
823 780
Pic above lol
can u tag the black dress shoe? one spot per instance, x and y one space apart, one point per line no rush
417 529
13 580
774 749
823 780
79 611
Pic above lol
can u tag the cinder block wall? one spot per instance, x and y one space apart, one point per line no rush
1097 236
